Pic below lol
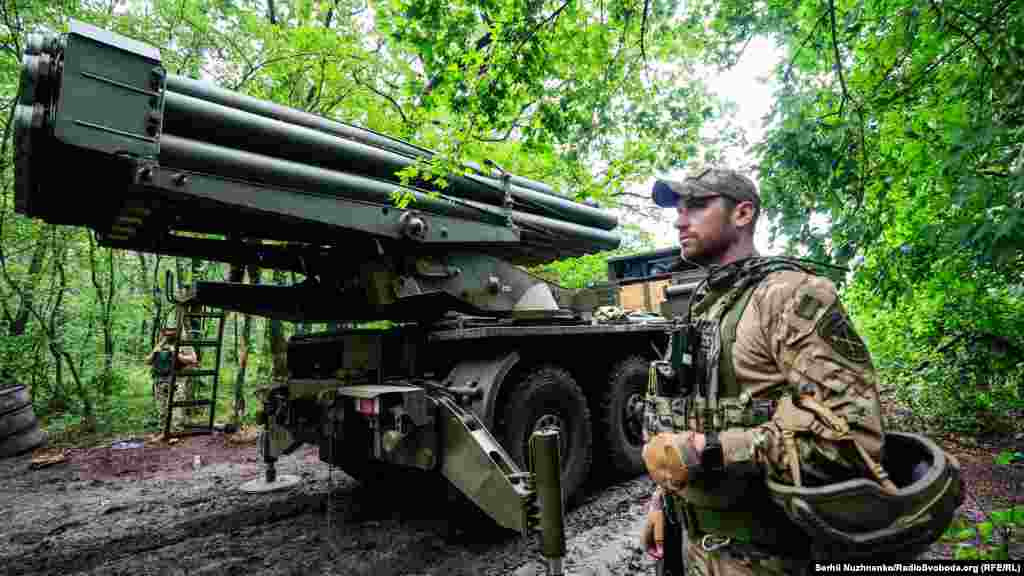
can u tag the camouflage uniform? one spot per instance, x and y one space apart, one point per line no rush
792 340
162 379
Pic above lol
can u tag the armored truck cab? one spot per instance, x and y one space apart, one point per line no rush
656 282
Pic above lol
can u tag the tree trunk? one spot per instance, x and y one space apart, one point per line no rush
301 327
21 318
158 300
105 299
55 328
108 324
236 275
179 269
148 295
278 345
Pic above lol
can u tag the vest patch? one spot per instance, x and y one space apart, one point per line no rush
808 307
836 329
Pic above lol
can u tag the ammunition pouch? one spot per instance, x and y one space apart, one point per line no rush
857 519
742 510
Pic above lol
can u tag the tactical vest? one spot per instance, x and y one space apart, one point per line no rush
163 363
738 507
859 518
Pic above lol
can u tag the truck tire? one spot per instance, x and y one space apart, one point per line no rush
550 395
13 398
622 413
19 429
17 422
22 442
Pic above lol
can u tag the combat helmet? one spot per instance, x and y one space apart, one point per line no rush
858 519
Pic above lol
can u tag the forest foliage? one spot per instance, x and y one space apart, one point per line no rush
899 123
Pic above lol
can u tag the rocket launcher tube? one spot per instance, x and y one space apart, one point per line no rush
213 93
185 154
108 105
232 127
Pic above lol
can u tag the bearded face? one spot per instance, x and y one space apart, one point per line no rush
706 229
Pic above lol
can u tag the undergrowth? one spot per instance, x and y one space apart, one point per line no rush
131 410
989 535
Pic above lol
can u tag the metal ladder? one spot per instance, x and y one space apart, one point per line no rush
192 327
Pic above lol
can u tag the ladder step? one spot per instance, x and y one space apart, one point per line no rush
203 372
190 403
204 315
200 342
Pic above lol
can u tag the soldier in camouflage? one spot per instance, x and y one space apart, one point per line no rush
163 366
786 391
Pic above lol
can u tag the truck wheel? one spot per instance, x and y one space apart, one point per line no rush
547 396
622 415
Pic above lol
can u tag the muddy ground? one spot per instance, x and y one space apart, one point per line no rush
124 510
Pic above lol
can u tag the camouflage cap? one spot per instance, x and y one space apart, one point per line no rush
710 182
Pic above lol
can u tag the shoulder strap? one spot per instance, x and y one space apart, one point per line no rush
752 272
726 368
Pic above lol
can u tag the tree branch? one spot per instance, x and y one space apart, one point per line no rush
504 138
846 96
963 33
388 97
265 63
915 82
317 88
643 33
941 60
810 35
271 13
14 25
330 106
550 19
838 57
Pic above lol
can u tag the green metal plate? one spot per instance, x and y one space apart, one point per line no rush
111 91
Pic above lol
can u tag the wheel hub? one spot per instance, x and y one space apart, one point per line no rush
633 418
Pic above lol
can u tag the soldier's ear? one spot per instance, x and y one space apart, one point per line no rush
743 214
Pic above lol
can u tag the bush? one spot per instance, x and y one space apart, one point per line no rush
955 396
988 537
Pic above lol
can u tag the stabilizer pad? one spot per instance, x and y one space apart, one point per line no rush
260 485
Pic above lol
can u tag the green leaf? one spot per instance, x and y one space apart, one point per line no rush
1001 517
965 534
1018 515
985 530
966 553
1007 457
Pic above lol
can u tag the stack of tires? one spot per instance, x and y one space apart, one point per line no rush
19 429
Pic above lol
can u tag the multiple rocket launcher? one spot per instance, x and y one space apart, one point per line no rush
163 163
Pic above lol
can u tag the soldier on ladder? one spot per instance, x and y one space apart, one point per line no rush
163 366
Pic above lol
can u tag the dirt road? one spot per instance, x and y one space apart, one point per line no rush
149 510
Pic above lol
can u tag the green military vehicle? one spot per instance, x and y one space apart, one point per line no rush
481 353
